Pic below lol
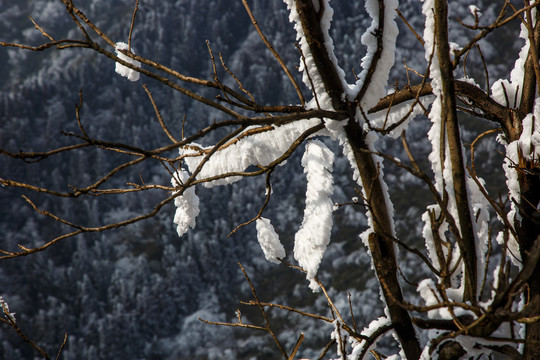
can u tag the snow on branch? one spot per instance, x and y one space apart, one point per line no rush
255 146
187 204
269 241
465 211
311 75
508 92
122 70
373 332
5 309
313 236
528 147
380 40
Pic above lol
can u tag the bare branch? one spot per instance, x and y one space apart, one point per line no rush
275 53
158 115
132 24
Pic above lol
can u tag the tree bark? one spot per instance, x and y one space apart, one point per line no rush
527 225
529 233
466 238
380 242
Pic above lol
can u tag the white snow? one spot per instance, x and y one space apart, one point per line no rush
5 309
312 238
257 149
442 169
506 92
269 241
475 11
187 204
122 70
340 337
378 84
309 67
384 119
358 346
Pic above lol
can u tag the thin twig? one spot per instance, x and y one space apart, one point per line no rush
62 346
266 201
261 308
132 24
296 346
289 308
43 32
275 53
418 37
158 115
240 85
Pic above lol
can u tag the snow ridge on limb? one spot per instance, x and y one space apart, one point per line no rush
442 171
310 73
359 349
380 40
528 147
450 176
510 92
312 238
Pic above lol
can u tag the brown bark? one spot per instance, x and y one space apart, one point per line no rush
528 224
529 233
380 243
466 240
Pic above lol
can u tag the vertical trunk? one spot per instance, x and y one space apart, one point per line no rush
528 226
532 336
466 238
381 244
529 233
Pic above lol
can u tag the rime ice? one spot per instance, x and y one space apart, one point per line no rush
122 70
187 205
313 237
269 241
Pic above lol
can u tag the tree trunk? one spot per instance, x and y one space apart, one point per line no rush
529 234
465 238
381 243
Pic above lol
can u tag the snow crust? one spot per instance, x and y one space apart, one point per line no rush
187 204
475 11
269 241
384 119
312 238
122 70
528 146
